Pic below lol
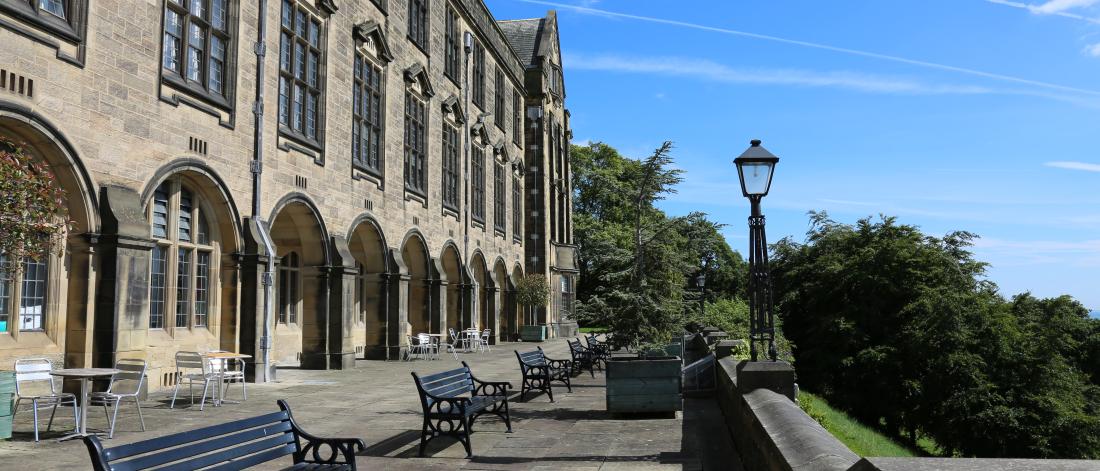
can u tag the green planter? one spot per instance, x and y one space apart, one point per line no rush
649 384
7 393
533 333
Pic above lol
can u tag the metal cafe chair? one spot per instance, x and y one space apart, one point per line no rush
231 371
427 345
483 341
454 344
191 361
124 385
34 383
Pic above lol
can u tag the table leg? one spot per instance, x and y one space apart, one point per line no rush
82 412
83 407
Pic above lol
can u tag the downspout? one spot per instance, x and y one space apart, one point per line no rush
468 45
260 49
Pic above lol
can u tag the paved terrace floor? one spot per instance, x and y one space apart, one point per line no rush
377 402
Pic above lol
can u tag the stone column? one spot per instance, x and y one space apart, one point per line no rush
397 314
437 297
122 295
493 313
253 264
80 305
342 315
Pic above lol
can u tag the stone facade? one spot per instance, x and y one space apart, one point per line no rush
180 208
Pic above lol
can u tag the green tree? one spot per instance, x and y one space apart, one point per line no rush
902 330
32 206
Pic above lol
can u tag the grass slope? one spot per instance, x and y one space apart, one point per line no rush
863 440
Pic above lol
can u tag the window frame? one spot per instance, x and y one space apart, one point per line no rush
203 239
451 156
419 34
499 98
71 29
286 129
517 117
178 78
15 286
452 47
289 276
479 75
416 152
363 123
517 209
500 212
477 183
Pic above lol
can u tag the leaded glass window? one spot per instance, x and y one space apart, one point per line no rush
451 47
197 38
479 75
477 177
499 211
367 114
289 288
500 97
32 301
416 122
517 209
418 23
450 166
517 118
184 260
300 80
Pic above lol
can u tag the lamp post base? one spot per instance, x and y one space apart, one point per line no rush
777 376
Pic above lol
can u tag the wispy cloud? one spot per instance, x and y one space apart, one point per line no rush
706 69
1055 7
1074 166
1093 50
826 47
713 71
1031 252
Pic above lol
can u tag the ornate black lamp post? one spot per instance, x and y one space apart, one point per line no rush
754 168
701 283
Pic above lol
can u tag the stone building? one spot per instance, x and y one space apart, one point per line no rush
329 175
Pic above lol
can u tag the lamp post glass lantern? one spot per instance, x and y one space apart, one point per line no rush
755 167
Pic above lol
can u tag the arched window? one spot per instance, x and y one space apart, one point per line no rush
183 261
290 292
24 294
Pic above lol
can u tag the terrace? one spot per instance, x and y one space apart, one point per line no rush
377 402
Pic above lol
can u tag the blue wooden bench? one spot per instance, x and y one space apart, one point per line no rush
539 371
449 411
230 446
600 350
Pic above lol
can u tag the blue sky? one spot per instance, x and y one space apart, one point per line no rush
974 115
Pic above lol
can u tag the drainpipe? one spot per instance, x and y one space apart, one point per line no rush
468 46
260 49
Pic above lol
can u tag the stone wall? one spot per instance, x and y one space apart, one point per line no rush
772 433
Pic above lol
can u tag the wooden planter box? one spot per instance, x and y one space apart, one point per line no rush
533 333
644 385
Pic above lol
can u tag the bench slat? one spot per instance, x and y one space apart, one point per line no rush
224 443
256 459
278 443
451 391
168 441
443 374
445 384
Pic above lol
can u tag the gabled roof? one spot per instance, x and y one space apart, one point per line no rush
372 31
417 73
450 105
524 36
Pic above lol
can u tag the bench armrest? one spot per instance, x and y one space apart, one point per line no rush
491 388
560 364
337 450
446 405
315 448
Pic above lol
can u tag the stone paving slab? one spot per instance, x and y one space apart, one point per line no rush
377 402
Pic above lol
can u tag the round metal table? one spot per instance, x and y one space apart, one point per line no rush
84 375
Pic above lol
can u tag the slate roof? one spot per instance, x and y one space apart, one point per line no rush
523 36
